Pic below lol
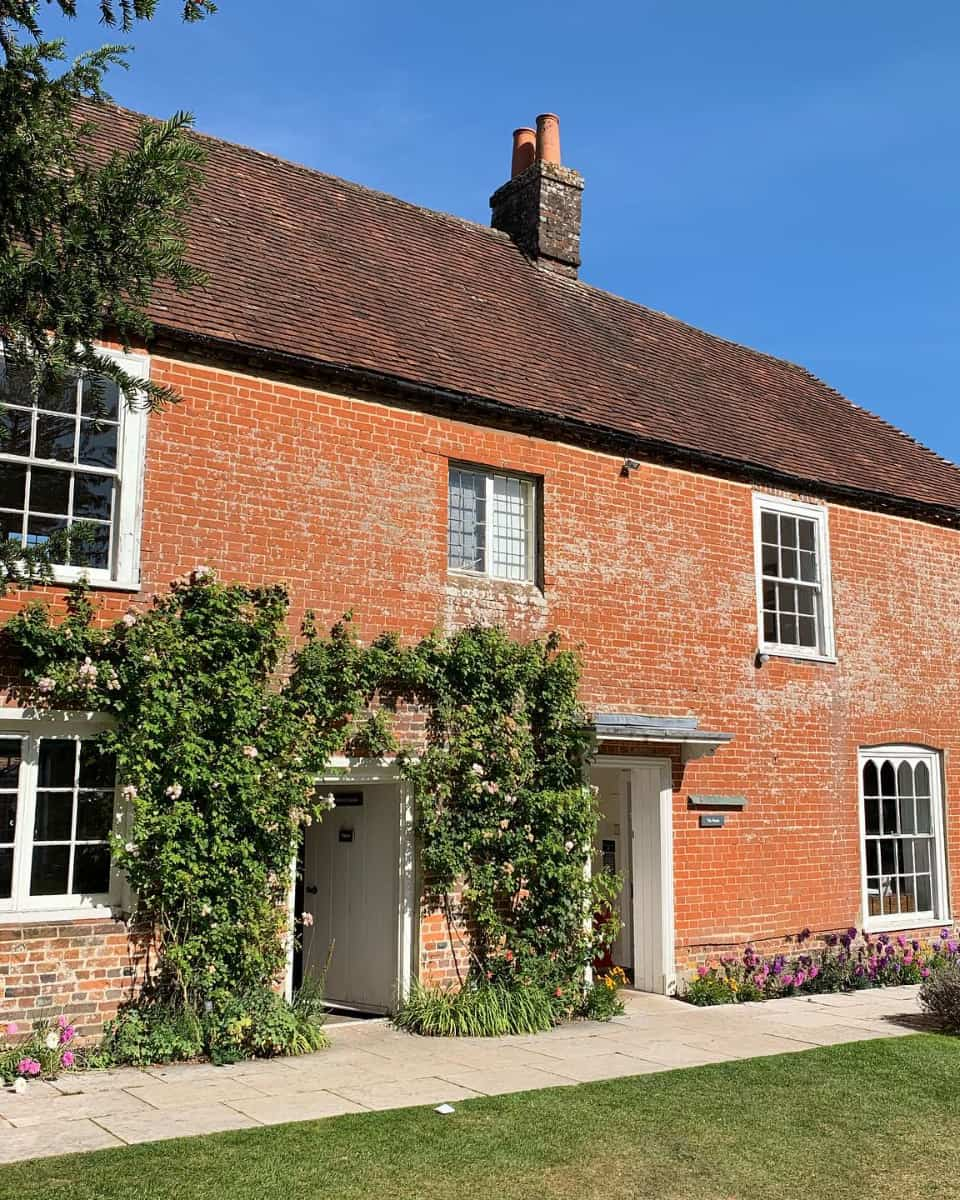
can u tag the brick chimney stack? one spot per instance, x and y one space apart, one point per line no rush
539 207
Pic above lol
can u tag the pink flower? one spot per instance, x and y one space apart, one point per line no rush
786 980
701 971
28 1066
250 752
61 1021
67 1034
307 919
924 972
67 1058
46 685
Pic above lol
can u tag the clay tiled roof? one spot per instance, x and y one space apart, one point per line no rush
305 264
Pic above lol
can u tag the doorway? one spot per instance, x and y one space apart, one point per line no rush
350 882
635 840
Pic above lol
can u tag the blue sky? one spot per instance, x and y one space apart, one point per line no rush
785 176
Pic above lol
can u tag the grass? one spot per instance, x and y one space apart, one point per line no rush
870 1119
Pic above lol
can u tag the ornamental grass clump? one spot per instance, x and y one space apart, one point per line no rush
940 995
847 961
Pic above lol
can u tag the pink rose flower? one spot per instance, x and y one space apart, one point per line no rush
67 1058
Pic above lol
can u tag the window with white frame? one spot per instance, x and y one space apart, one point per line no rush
57 810
492 524
903 850
71 456
792 553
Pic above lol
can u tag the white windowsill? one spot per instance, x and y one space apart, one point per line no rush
796 655
60 916
908 921
96 580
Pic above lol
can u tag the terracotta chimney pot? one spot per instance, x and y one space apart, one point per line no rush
548 138
524 150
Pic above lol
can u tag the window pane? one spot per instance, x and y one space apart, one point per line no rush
888 780
49 491
9 763
6 873
924 815
91 870
770 557
58 394
54 817
41 530
924 894
788 531
91 545
921 779
873 858
788 564
467 524
94 814
807 632
871 811
101 399
510 524
98 769
807 534
92 496
49 871
11 527
8 817
907 824
13 480
769 528
806 601
55 437
98 444
889 804
788 629
921 854
871 780
905 779
808 566
14 431
57 766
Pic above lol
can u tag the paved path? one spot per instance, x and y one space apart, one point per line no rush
370 1065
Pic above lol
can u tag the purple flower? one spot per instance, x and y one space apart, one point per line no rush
800 979
852 933
944 934
916 945
902 942
814 972
787 980
924 972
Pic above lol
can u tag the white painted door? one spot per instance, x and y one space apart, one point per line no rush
652 868
351 883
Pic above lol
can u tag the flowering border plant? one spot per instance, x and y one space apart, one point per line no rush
846 961
42 1054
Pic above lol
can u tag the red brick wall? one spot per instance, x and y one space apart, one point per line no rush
651 575
82 968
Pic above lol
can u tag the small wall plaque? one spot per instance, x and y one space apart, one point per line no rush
346 835
717 801
712 820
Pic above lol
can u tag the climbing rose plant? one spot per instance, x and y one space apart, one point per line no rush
212 760
217 753
506 822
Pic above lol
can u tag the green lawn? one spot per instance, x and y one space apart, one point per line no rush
870 1119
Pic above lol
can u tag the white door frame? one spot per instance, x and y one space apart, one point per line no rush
656 856
346 772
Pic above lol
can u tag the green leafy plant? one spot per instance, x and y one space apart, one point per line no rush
601 1000
145 1032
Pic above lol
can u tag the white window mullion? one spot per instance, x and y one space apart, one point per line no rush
26 815
489 520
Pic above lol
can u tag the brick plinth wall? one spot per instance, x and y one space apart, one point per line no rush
84 969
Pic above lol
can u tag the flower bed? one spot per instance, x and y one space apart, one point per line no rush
847 961
43 1054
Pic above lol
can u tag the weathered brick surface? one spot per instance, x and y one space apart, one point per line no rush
651 575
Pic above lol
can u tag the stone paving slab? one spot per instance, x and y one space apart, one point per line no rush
373 1066
153 1125
44 1141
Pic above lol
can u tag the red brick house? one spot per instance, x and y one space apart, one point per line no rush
434 423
